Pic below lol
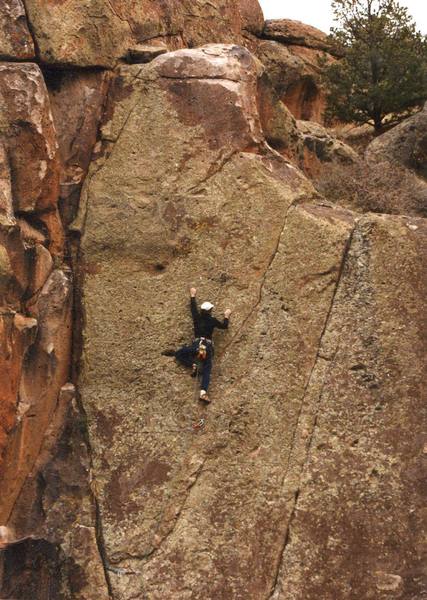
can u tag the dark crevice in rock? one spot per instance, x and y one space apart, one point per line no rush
77 329
284 546
32 34
325 326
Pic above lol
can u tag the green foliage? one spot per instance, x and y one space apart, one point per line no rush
383 72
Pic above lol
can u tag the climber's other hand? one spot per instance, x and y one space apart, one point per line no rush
227 313
193 292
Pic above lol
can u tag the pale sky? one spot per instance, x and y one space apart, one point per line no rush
319 14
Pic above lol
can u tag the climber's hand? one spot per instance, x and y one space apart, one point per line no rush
193 292
227 313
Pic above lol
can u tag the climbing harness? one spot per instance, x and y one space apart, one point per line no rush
202 350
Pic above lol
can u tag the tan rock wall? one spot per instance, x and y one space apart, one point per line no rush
305 481
100 32
357 527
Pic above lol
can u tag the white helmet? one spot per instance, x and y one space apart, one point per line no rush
207 306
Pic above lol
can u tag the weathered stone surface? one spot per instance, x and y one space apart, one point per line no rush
288 31
405 144
26 127
77 100
143 53
6 203
59 516
358 529
278 124
17 333
187 192
43 373
100 32
295 74
15 38
321 146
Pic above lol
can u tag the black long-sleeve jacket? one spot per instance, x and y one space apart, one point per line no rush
205 323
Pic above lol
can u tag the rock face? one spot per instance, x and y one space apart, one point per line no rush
15 38
183 168
26 119
291 53
296 33
319 146
77 100
405 144
208 515
100 32
360 461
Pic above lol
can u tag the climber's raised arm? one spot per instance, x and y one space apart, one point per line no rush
193 305
224 323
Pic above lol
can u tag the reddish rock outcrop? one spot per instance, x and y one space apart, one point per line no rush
305 480
105 31
292 54
15 38
29 136
77 100
52 546
295 33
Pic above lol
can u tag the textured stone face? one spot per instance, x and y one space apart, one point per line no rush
305 482
99 32
405 144
26 127
294 72
77 100
203 170
319 146
40 379
54 545
296 33
357 522
15 38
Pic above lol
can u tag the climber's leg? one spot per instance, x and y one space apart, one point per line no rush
186 354
206 373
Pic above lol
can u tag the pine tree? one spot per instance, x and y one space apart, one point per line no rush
383 73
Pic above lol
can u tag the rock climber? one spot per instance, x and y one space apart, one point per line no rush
201 351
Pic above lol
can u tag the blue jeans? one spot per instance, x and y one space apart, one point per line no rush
187 356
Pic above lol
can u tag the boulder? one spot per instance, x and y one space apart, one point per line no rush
184 197
405 144
15 39
295 74
290 32
320 146
101 32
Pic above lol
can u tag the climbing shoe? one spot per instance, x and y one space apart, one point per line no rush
204 396
168 353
